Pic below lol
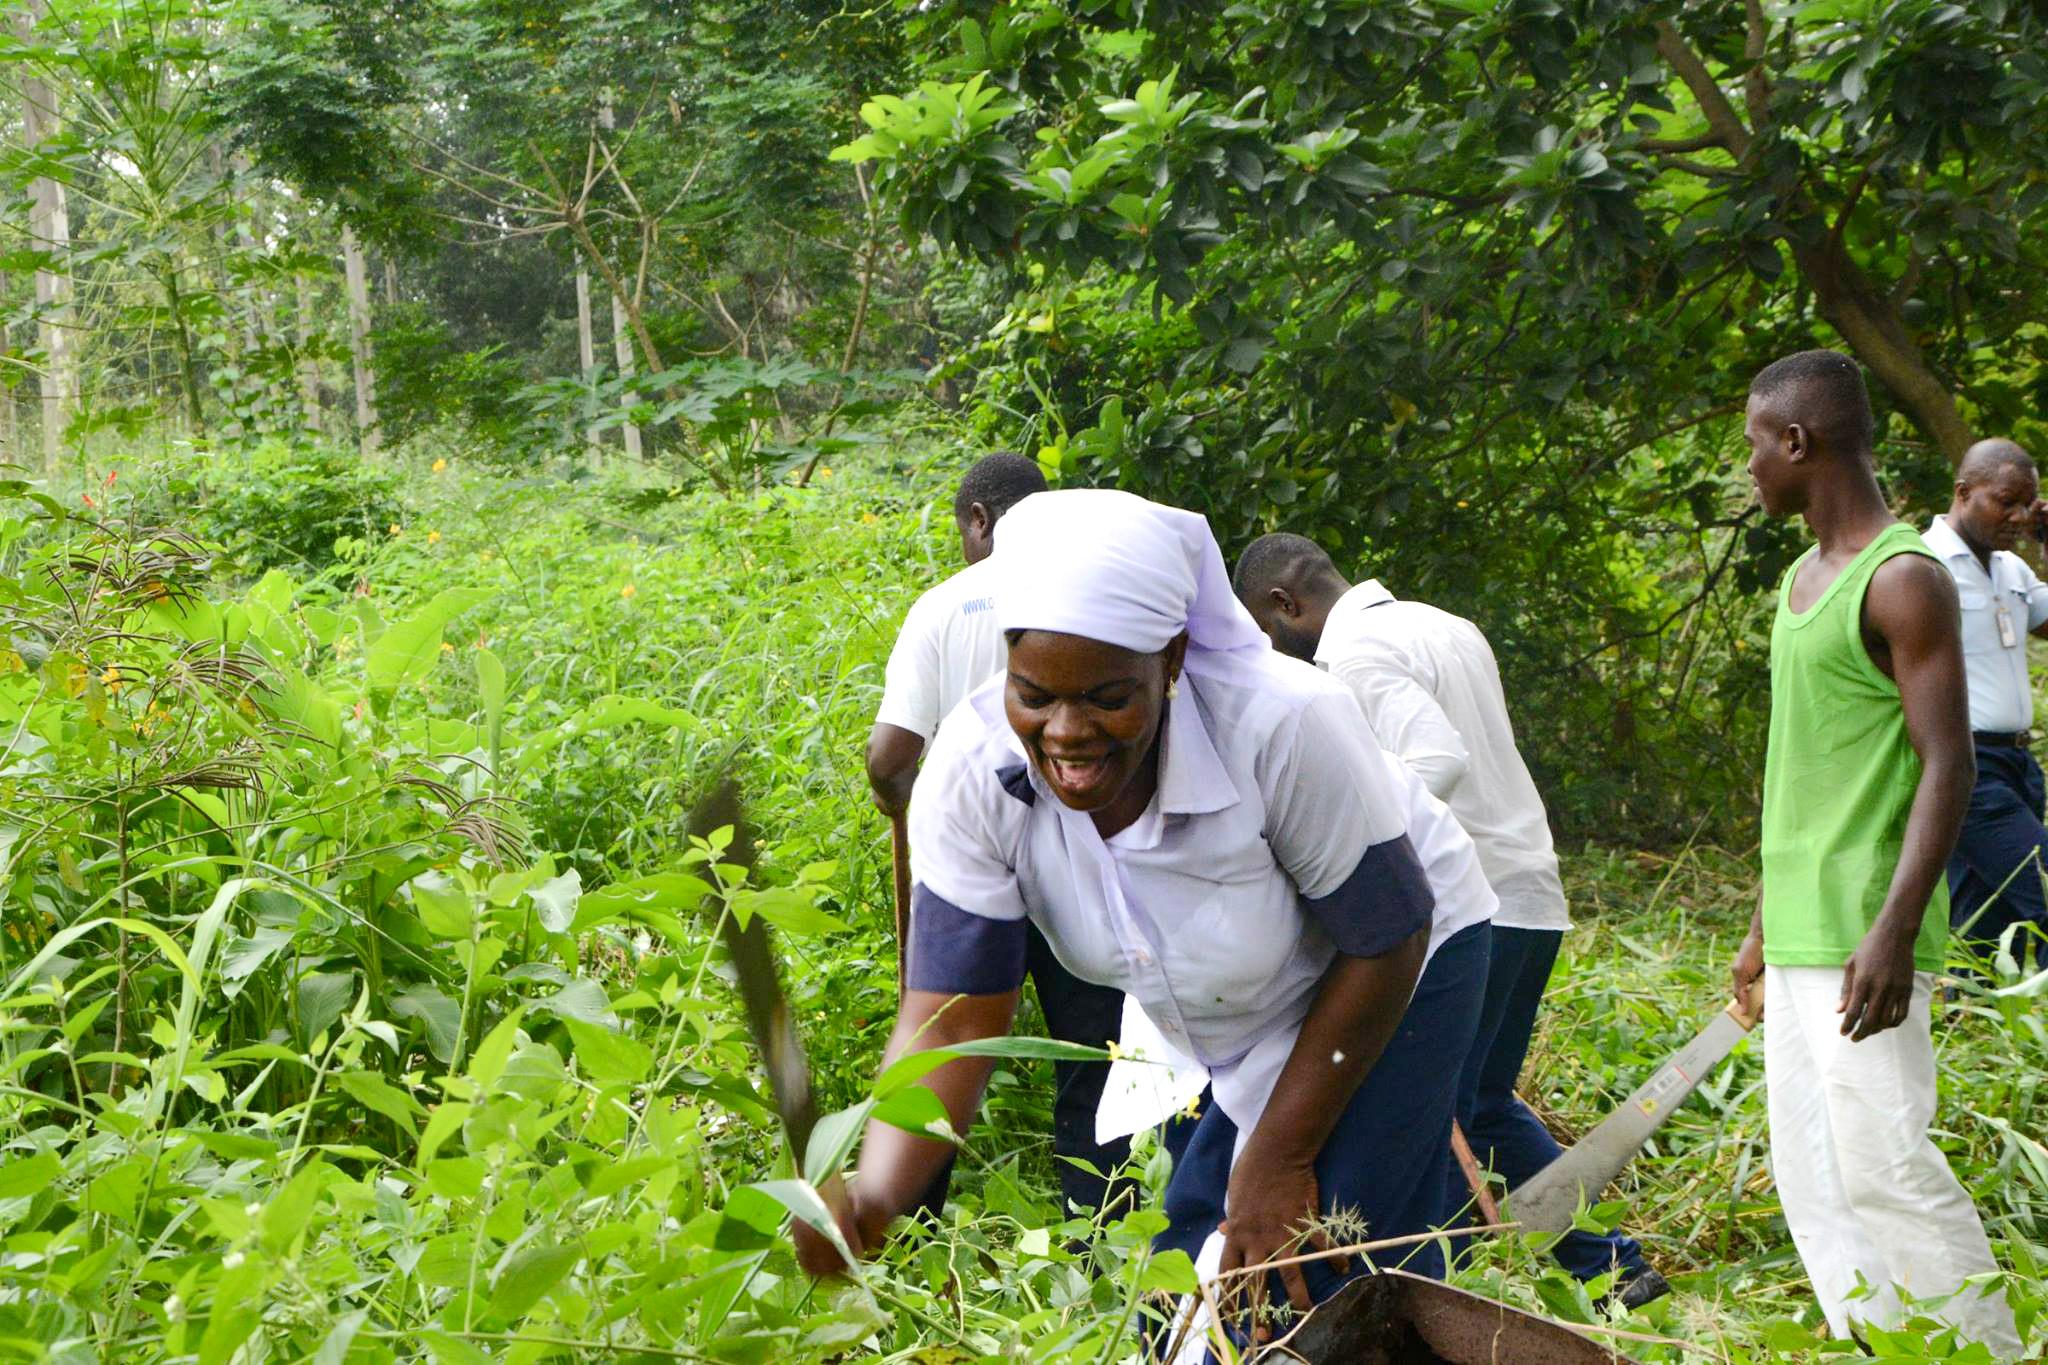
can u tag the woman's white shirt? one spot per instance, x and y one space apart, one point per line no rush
1277 837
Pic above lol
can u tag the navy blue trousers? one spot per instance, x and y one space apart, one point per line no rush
1505 1135
1386 1159
1076 1011
2002 831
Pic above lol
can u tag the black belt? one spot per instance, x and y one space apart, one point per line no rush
1991 739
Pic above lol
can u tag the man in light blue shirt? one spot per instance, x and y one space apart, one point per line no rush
1995 876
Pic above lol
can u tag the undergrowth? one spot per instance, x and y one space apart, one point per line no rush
356 993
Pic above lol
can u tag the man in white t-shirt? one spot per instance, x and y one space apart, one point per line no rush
1430 687
949 644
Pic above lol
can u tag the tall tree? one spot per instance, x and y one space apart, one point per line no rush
49 230
356 276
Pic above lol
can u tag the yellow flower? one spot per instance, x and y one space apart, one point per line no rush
440 465
1462 504
628 591
485 555
447 648
433 537
826 472
395 528
1193 1108
868 518
111 679
1116 1053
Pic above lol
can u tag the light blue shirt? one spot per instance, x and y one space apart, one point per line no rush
2000 608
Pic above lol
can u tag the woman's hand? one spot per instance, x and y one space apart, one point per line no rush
1273 1211
863 1227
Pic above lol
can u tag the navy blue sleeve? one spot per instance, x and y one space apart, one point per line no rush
957 952
1383 902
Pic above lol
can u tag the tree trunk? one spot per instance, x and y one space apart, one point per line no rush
355 272
586 352
623 349
390 282
49 227
10 431
308 358
188 362
1869 322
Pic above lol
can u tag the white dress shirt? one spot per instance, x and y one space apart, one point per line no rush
1430 687
1276 831
948 646
2000 608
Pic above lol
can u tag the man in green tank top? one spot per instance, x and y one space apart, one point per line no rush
1865 784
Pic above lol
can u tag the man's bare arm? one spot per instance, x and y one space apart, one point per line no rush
893 754
1910 609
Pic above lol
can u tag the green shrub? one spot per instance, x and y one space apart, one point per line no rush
282 506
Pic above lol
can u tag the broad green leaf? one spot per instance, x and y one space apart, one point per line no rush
789 909
287 1213
834 1137
408 650
29 1175
322 998
441 1125
612 1178
528 1278
606 1057
581 999
555 900
1169 1272
916 1109
437 1012
443 906
379 1095
491 1054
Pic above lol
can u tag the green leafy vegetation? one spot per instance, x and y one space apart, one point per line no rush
438 437
359 996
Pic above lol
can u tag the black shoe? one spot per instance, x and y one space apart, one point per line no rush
1642 1289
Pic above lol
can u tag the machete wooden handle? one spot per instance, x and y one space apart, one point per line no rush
1747 1008
899 864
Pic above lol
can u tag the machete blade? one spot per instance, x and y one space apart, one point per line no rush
753 962
1549 1200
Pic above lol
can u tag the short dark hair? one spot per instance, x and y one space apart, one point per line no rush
998 482
1991 456
1279 560
1825 390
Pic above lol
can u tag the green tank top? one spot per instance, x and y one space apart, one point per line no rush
1839 777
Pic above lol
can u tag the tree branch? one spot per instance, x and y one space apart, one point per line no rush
1713 101
1756 83
1679 146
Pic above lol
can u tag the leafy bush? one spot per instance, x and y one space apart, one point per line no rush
274 505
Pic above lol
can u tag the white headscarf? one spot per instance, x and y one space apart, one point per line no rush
1111 566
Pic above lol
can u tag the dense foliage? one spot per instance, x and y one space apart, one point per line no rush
358 997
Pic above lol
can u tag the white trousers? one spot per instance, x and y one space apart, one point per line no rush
1869 1198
